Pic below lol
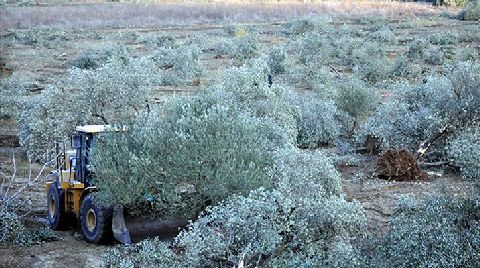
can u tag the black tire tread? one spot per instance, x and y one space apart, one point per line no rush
104 219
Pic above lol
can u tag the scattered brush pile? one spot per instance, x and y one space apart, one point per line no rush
14 232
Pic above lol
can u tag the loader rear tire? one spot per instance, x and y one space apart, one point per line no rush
56 215
95 221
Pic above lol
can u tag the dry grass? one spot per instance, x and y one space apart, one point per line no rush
113 15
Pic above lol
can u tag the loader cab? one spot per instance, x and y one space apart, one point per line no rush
83 143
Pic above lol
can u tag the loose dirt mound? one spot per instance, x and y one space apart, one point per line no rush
399 165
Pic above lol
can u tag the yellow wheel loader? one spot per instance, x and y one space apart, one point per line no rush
70 196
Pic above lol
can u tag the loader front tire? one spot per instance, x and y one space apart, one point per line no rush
95 221
56 215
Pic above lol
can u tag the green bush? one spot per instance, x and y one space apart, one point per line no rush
96 57
277 61
319 122
464 151
160 40
248 87
436 232
13 90
299 222
45 118
356 98
471 11
178 66
117 89
241 48
202 142
370 62
309 24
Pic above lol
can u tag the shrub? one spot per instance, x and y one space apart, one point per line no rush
13 91
45 118
248 87
299 222
464 151
240 48
308 24
436 232
160 40
318 123
178 66
117 89
229 152
370 62
96 57
356 98
314 48
384 34
434 56
403 68
315 78
277 61
471 11
235 31
421 117
416 49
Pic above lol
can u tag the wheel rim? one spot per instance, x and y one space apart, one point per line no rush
91 220
51 208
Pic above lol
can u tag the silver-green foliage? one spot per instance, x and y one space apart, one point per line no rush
14 232
248 88
418 113
356 98
464 151
471 11
277 61
45 118
13 90
240 48
203 142
304 222
96 57
319 122
118 88
436 232
178 66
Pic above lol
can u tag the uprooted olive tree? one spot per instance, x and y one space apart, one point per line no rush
424 117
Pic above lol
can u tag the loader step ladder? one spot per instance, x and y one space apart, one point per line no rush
69 199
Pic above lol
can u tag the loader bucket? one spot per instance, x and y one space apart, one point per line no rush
134 229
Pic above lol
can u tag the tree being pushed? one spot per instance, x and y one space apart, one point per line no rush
304 221
195 151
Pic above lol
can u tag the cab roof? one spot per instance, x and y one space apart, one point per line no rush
92 128
98 128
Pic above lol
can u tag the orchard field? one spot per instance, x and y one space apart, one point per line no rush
319 134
